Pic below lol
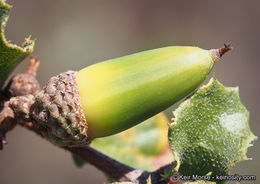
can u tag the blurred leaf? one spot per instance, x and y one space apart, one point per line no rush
78 161
211 131
10 55
144 146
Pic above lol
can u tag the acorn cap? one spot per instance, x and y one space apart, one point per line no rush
57 109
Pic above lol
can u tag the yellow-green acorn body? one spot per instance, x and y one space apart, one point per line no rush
119 93
114 95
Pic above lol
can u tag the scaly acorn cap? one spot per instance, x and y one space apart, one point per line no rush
57 109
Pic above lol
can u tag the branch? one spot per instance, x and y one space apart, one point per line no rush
23 87
113 168
117 170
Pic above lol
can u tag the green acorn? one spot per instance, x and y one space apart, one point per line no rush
114 95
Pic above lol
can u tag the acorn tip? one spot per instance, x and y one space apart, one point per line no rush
225 48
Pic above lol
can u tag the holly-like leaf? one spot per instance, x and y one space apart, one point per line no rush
10 54
210 132
144 146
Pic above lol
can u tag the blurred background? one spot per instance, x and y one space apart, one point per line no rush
74 34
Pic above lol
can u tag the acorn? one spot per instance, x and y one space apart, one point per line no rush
114 95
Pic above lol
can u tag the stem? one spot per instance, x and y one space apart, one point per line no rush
224 49
116 170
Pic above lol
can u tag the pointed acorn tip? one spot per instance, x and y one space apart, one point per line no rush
226 47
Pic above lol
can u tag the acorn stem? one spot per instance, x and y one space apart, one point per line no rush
226 47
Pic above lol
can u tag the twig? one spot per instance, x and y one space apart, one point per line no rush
117 170
33 67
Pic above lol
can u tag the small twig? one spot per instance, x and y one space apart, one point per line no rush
117 170
20 84
33 67
7 122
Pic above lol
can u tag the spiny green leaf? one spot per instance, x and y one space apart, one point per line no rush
210 132
144 146
10 54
